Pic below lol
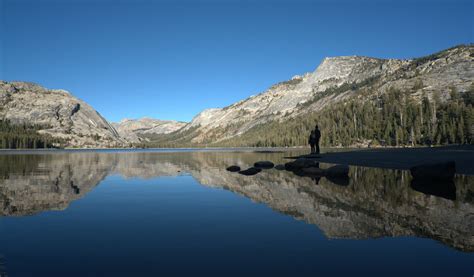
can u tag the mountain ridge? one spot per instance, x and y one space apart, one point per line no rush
335 80
135 130
59 113
335 83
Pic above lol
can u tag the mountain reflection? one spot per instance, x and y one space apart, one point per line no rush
372 203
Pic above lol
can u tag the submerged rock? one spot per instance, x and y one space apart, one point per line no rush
280 167
434 171
313 171
301 163
264 164
339 180
340 170
250 171
233 168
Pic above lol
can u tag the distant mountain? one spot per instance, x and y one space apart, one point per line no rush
356 101
56 113
271 117
136 130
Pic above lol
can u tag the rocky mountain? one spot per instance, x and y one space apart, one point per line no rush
134 130
386 83
59 114
335 80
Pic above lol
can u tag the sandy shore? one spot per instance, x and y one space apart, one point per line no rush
404 158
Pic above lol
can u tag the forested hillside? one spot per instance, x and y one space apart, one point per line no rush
24 136
356 101
55 112
394 119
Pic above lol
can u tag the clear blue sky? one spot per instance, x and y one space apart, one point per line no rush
172 59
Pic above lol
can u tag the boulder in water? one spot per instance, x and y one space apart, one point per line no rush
340 170
339 180
313 171
435 171
301 163
250 171
264 164
233 168
280 167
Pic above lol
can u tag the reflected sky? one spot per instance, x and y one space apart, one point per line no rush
148 213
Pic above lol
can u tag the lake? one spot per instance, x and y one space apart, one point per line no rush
168 212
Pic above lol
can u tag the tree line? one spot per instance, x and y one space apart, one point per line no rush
24 136
395 119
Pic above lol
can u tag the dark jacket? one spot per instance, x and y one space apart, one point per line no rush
312 137
317 134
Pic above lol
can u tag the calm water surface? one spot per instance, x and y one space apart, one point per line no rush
150 213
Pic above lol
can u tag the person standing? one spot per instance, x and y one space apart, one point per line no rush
312 141
317 138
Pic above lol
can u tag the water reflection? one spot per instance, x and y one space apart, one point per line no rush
371 203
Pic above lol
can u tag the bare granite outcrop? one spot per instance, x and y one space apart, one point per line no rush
59 113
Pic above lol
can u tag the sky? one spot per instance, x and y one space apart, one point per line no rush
172 59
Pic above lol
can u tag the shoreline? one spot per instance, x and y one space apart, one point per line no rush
388 158
243 147
404 158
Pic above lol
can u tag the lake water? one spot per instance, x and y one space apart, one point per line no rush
150 213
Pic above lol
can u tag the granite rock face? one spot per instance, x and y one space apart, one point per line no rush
334 81
59 113
133 130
